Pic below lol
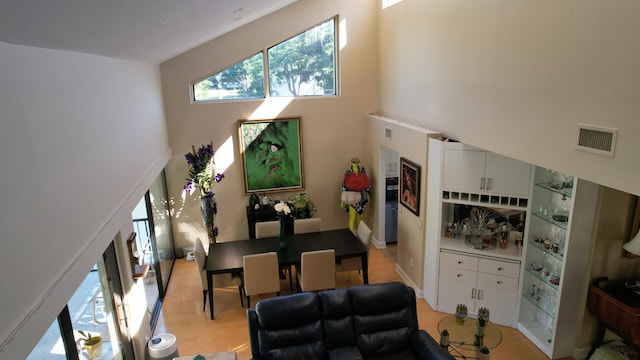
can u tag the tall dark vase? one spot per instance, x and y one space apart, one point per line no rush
282 235
208 219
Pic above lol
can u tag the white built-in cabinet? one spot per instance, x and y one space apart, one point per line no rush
479 281
505 281
459 174
483 172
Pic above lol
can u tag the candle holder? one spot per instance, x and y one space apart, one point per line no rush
461 313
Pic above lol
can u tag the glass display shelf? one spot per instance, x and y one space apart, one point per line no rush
549 219
567 192
559 255
541 333
543 278
545 306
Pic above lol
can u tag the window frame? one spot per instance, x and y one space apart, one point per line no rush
267 74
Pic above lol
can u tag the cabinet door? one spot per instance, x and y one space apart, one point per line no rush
456 286
507 176
499 294
464 170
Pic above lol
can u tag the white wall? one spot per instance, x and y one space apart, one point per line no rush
516 77
410 142
81 138
332 128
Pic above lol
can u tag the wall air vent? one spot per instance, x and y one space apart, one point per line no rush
387 133
599 140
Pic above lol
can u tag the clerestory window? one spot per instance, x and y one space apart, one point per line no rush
304 65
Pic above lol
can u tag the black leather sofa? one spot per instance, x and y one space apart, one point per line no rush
377 321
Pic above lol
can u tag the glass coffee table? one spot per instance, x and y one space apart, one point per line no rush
463 336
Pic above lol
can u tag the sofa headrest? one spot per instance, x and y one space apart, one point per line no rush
380 298
335 303
286 312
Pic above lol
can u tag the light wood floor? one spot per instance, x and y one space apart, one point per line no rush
182 314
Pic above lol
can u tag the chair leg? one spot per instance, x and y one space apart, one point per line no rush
248 302
204 300
298 287
290 279
240 291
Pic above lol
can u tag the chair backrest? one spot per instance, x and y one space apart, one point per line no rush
364 233
201 262
302 226
318 270
261 273
266 229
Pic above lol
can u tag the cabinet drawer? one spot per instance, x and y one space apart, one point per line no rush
458 261
451 274
505 283
498 267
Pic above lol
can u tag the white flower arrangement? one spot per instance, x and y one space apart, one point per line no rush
282 208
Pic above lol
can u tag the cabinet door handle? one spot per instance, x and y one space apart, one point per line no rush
480 295
489 183
482 183
459 262
499 282
473 293
500 268
458 275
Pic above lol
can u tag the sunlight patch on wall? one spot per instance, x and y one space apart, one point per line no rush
389 3
342 33
270 108
224 156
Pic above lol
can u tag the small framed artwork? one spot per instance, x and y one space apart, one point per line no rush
271 155
410 185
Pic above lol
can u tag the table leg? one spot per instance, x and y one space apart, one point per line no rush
210 286
602 328
365 268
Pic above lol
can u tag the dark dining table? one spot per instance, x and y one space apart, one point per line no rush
226 257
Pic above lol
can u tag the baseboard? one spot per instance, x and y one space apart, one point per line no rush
581 352
377 243
409 282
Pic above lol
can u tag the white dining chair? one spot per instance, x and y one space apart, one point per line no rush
302 226
317 270
355 263
266 229
261 274
219 280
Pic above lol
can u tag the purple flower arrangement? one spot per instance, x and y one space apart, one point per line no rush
201 177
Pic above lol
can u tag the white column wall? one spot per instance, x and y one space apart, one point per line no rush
81 138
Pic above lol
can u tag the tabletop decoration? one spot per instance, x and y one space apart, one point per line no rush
201 177
461 313
283 210
483 313
302 206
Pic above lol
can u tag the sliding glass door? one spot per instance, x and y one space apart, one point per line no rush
95 310
152 224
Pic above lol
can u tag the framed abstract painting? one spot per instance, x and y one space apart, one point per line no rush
271 155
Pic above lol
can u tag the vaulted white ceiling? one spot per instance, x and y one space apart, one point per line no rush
150 31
